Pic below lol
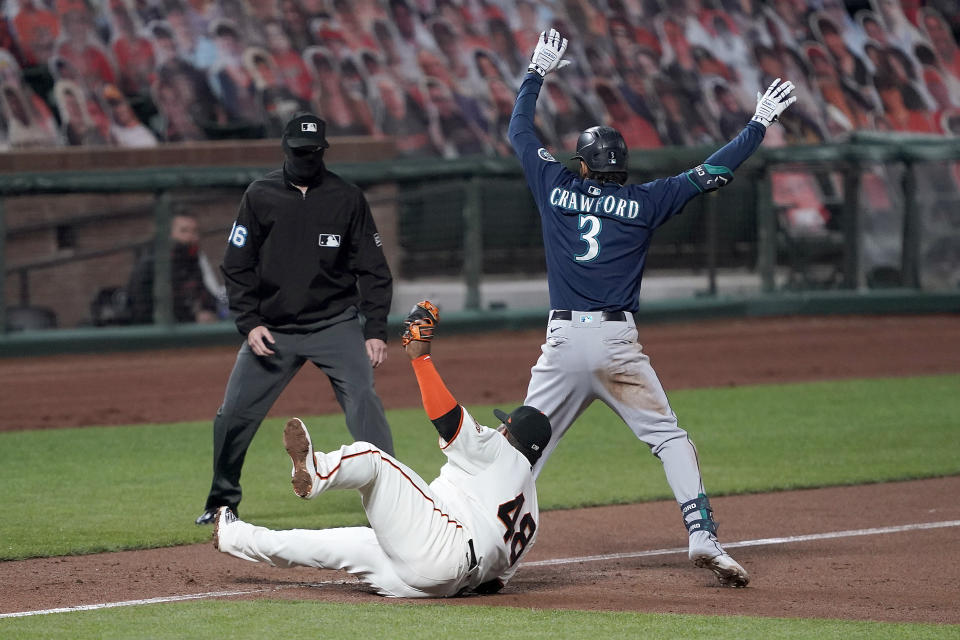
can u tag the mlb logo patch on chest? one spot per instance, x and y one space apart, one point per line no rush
329 240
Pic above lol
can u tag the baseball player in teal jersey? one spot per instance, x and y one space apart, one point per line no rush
597 230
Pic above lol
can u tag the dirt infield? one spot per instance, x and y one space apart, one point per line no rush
188 384
905 573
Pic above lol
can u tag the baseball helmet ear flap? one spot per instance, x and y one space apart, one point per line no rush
602 149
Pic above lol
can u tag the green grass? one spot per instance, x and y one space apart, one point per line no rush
86 490
98 489
294 619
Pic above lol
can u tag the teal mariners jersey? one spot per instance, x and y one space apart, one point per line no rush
596 236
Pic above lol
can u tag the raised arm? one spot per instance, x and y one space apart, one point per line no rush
718 169
547 56
539 167
441 407
522 134
671 194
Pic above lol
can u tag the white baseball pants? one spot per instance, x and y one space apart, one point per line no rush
412 549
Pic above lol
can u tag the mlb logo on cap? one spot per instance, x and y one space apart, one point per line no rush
305 130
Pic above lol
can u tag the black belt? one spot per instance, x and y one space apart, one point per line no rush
605 316
473 555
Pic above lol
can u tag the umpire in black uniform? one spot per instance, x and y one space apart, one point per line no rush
303 262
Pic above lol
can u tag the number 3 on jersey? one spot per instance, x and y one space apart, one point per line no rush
590 237
509 513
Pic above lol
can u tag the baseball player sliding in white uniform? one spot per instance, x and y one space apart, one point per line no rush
465 531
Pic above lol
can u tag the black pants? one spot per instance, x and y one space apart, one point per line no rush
256 383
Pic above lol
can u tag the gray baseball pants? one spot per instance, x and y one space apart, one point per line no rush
339 350
586 358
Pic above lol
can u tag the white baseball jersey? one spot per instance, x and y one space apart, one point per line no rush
490 486
470 526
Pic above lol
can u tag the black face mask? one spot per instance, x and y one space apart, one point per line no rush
303 168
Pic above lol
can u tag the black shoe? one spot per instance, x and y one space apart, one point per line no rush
208 516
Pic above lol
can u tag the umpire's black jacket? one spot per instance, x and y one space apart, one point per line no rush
294 260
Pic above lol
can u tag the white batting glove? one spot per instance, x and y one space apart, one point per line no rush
549 53
771 104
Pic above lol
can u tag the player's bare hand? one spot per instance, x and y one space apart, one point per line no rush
415 349
260 340
376 351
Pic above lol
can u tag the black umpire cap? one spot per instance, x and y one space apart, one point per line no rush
529 427
306 130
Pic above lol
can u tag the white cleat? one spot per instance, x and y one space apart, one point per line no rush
296 440
728 571
224 516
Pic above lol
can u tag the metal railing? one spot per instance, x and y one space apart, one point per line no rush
851 160
474 178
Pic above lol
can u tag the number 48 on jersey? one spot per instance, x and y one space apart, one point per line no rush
509 514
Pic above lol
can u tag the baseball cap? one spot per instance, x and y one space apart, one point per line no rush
529 427
306 130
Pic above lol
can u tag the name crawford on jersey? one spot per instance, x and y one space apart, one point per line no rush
609 205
